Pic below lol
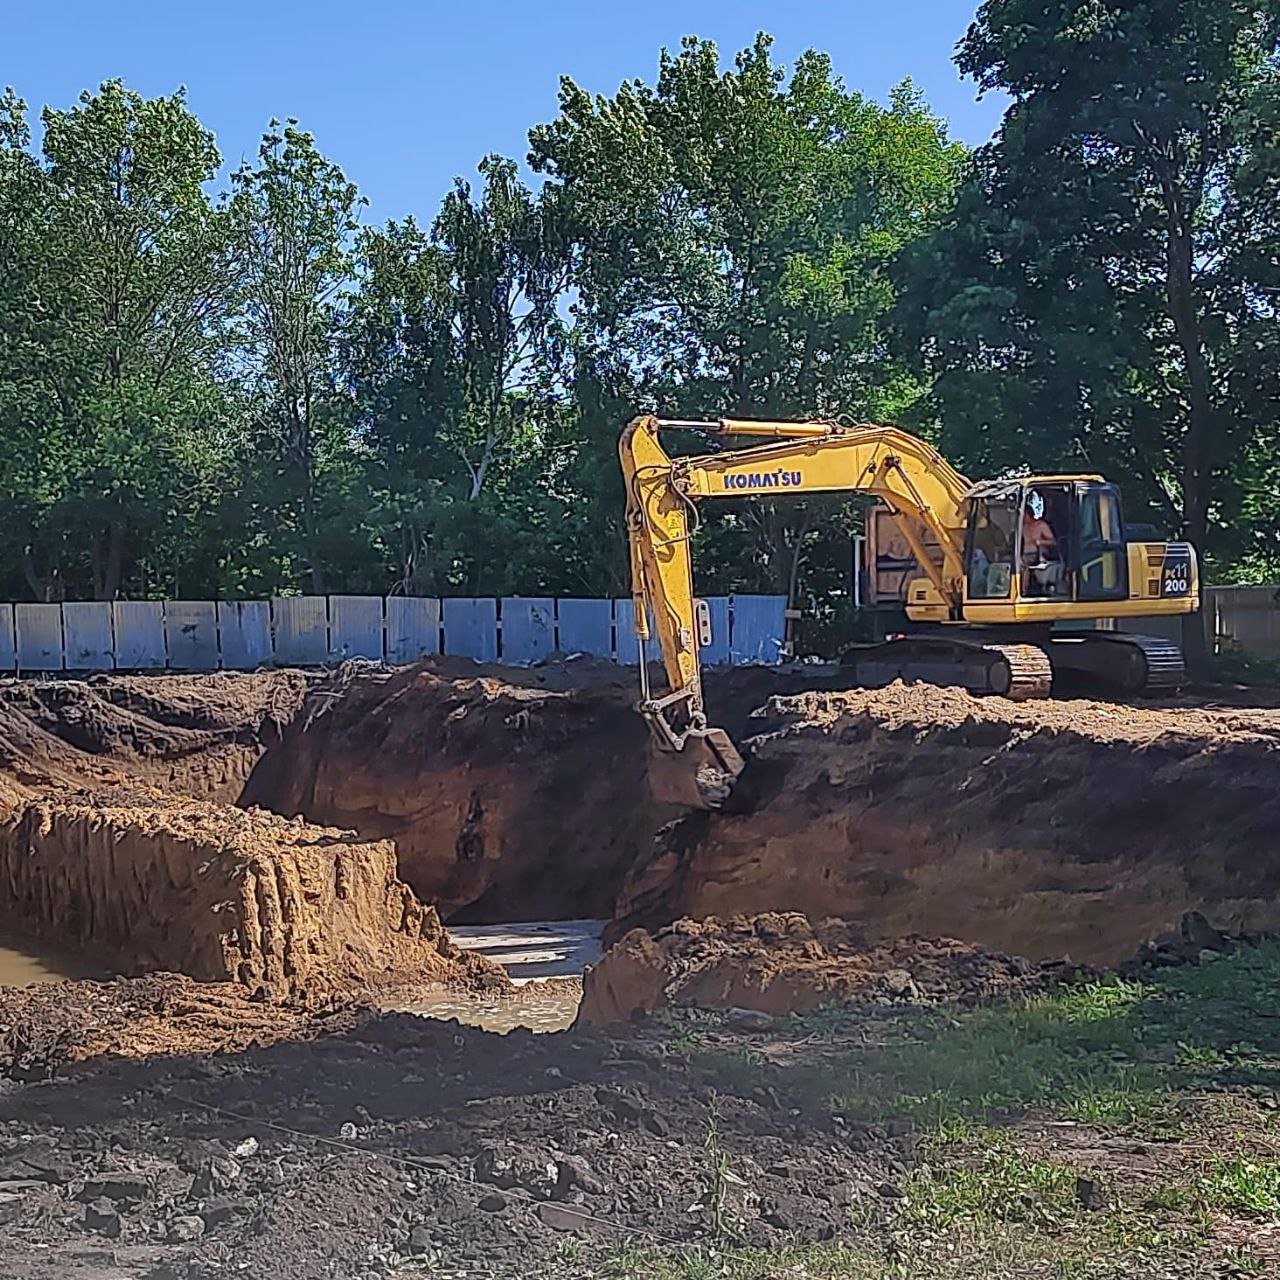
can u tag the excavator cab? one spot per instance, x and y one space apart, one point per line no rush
1045 541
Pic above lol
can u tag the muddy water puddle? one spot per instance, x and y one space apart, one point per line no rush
544 958
23 963
553 1010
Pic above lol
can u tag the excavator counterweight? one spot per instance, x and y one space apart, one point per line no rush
999 563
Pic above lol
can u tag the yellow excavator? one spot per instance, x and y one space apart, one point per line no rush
1000 562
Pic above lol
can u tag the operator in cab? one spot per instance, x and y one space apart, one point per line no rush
1040 549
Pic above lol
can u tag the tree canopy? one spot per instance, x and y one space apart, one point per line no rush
1104 291
229 384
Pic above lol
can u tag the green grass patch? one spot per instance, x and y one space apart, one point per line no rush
1249 1188
1004 1186
1192 1051
1115 1052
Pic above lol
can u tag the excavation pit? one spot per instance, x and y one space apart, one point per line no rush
303 836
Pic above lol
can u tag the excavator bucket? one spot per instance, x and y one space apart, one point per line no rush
701 775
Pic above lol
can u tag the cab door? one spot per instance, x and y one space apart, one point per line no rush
1102 561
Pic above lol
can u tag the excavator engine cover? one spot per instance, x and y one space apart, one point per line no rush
701 775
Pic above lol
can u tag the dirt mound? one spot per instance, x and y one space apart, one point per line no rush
406 1146
198 735
1061 828
49 1027
144 881
779 962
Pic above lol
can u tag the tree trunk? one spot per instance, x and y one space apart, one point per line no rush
1195 449
41 585
113 569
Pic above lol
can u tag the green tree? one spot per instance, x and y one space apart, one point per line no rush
115 276
455 345
733 232
1104 293
297 214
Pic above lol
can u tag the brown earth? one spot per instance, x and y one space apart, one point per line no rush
780 962
404 1145
163 1128
510 794
197 735
1071 827
51 1028
143 881
1062 828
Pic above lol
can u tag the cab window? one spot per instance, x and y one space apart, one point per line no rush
1103 570
1046 527
992 542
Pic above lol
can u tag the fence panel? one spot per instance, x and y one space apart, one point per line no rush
301 626
38 633
471 628
244 634
586 626
199 635
86 635
139 629
528 629
355 627
413 628
8 647
756 630
626 651
1247 618
191 634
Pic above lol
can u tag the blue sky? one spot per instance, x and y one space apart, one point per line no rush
406 95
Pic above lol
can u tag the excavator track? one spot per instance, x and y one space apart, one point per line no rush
1119 661
1018 671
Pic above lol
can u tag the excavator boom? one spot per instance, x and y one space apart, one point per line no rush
693 764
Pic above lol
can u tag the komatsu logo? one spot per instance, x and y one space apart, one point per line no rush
763 480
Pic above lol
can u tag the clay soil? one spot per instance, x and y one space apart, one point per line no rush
380 797
1069 827
780 963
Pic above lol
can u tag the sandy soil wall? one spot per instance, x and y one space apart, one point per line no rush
1072 828
196 735
506 799
142 882
1062 827
510 795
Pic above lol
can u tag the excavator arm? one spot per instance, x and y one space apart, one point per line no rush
694 764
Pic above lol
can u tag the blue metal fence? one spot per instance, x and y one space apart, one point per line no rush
204 635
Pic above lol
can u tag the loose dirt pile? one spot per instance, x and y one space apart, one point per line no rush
197 735
1068 827
780 963
409 1146
1047 829
49 1028
142 881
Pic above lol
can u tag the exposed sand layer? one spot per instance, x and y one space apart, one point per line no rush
143 881
1063 827
1076 827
